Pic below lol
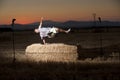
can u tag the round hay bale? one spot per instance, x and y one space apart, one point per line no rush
51 52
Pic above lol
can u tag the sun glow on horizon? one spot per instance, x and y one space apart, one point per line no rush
58 10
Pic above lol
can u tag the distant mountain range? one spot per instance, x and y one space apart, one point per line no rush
67 24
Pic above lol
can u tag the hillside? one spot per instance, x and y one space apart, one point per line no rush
67 24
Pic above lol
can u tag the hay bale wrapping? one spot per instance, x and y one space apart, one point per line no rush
51 52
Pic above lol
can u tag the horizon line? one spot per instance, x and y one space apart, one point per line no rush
62 21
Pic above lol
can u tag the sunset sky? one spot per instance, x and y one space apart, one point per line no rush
28 11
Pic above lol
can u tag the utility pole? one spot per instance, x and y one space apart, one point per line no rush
101 45
94 19
14 59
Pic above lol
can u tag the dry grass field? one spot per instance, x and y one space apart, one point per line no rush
98 56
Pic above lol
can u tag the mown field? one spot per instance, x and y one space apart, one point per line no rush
98 56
